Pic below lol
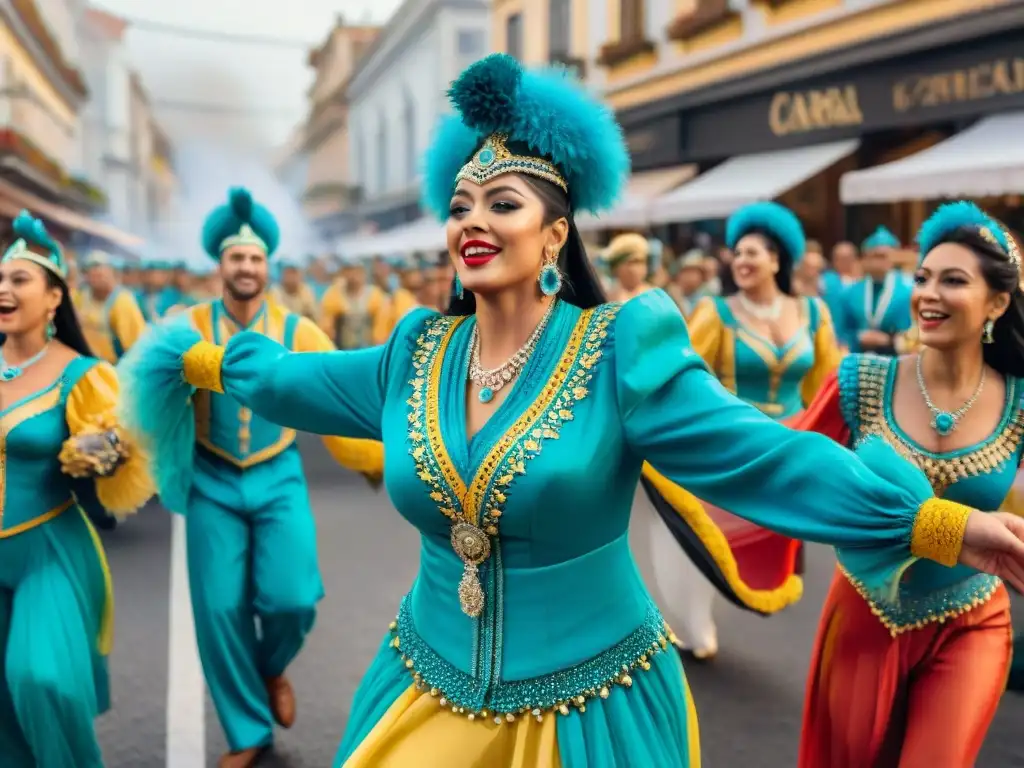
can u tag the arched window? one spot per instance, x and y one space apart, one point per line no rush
382 153
409 131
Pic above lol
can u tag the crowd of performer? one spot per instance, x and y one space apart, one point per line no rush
874 405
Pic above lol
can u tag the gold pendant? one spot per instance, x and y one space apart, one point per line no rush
473 547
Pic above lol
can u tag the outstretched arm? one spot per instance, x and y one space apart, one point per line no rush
878 512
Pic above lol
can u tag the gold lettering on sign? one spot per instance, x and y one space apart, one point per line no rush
1002 77
816 110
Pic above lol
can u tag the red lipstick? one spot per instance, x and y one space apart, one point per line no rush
477 253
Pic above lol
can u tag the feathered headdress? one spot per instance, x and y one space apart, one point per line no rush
773 218
242 221
29 230
880 238
539 122
966 215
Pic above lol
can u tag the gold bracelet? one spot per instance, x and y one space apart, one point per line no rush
939 531
202 366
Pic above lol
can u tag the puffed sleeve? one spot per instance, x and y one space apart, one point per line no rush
878 509
126 320
826 353
359 455
705 328
99 450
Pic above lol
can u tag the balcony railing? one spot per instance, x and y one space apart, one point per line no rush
28 13
15 145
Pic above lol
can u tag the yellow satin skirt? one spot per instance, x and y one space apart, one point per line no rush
652 724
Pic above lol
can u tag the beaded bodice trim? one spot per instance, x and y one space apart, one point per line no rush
863 382
562 691
863 386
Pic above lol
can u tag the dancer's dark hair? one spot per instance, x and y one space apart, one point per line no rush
581 285
1006 352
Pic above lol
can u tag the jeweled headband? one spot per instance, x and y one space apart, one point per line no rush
1012 250
19 250
494 159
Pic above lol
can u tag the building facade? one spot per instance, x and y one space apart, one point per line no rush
124 148
790 99
43 93
331 194
396 96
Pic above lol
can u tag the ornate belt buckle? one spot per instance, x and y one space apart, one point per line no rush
473 547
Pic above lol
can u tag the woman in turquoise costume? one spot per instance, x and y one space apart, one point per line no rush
62 457
875 311
515 428
914 677
773 350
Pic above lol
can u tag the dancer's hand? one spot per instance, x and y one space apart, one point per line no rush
994 543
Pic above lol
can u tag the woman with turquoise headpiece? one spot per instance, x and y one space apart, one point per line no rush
516 428
772 349
913 677
64 460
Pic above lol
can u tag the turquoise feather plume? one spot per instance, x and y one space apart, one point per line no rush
953 216
545 109
776 219
156 406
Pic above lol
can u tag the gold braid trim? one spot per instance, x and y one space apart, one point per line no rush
202 366
939 531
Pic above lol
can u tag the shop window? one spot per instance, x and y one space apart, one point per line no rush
703 16
632 41
514 35
559 29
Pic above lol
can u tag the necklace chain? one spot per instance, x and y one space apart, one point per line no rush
490 381
10 372
945 422
760 311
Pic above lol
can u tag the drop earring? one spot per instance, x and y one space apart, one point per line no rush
51 329
459 291
550 279
986 335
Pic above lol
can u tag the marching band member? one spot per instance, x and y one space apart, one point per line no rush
292 293
110 316
238 479
628 261
875 310
355 312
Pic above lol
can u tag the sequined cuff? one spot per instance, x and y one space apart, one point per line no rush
939 531
202 366
93 452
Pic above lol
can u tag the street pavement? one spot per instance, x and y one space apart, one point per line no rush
749 699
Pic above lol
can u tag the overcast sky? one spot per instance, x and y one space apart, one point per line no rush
248 76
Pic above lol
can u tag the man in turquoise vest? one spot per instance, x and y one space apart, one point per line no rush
249 528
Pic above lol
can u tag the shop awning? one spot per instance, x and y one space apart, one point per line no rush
633 209
746 179
985 160
65 217
424 234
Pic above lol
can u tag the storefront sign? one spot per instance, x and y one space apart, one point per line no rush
814 110
981 82
961 81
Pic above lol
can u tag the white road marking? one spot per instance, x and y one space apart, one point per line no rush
186 689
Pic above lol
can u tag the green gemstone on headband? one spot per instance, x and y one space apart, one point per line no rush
486 156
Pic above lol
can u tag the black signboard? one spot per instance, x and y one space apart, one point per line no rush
942 85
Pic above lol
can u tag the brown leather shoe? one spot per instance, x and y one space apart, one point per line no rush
246 758
282 700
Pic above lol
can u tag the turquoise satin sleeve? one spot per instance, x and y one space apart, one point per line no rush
327 393
678 417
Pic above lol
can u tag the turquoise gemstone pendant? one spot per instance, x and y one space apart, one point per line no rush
943 423
10 374
486 395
